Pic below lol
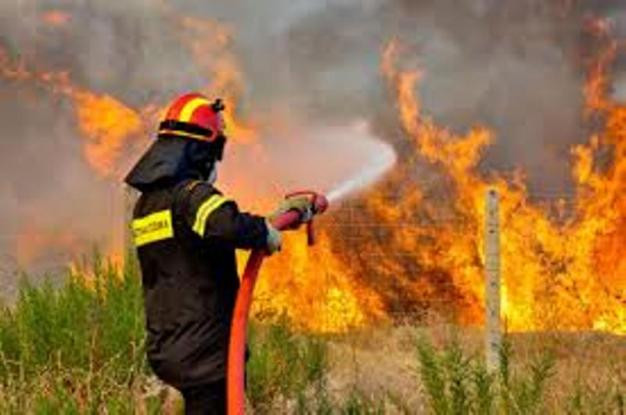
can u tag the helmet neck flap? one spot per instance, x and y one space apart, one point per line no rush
190 143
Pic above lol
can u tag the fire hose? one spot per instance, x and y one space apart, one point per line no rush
235 377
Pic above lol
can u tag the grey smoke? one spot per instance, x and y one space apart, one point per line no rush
510 65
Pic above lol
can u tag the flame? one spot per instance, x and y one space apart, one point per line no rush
549 281
316 291
209 42
557 274
106 124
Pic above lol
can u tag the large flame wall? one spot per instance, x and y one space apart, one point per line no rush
512 95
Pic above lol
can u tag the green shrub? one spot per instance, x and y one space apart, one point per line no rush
456 383
359 404
74 348
285 366
78 348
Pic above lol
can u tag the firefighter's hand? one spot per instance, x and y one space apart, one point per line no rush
274 239
302 204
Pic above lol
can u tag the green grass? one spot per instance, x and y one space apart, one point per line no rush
78 348
460 384
286 366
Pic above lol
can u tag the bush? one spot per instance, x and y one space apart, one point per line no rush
78 348
459 384
75 348
286 367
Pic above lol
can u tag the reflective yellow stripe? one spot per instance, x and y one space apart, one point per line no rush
205 210
153 228
190 107
186 134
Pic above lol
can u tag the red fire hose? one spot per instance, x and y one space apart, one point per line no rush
236 350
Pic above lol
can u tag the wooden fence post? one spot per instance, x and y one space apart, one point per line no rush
493 334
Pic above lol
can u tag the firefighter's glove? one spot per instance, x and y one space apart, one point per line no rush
302 204
274 239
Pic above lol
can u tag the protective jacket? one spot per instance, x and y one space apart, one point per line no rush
186 233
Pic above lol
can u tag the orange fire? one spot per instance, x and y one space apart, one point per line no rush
314 288
557 274
104 122
209 43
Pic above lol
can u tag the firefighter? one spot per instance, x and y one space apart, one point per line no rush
186 232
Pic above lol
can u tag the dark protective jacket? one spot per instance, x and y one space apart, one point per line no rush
186 233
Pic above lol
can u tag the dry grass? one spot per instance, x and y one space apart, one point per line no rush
77 349
382 363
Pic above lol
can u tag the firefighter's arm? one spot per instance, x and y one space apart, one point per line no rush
242 230
215 217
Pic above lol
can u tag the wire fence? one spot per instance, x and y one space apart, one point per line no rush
415 279
436 272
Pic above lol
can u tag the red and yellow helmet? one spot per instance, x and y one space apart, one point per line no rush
195 117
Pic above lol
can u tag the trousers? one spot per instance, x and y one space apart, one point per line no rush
207 399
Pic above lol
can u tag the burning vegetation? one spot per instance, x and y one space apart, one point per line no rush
413 243
558 275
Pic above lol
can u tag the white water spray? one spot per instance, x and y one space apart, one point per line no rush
382 162
342 159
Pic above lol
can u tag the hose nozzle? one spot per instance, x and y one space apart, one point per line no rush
319 204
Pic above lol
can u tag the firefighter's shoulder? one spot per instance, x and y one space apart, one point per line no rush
201 201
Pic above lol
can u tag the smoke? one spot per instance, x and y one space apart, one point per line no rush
510 65
507 65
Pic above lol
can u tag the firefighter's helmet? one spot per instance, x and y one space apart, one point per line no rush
193 116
